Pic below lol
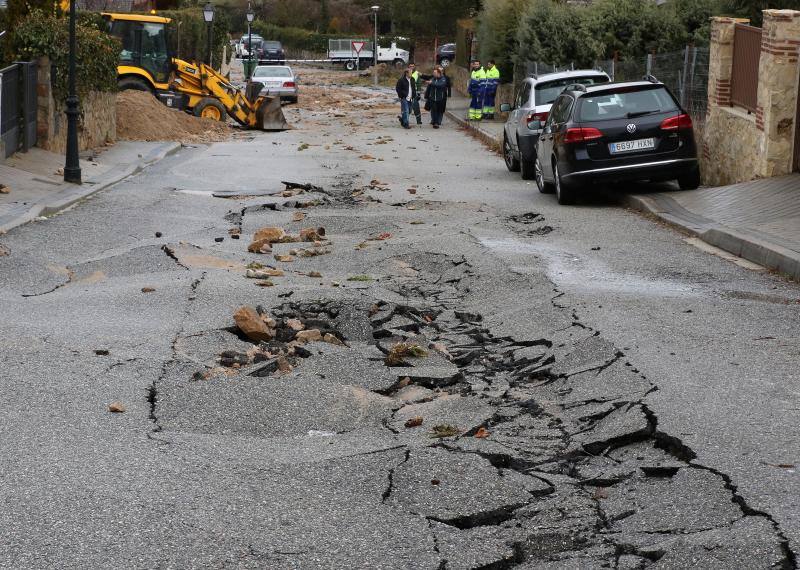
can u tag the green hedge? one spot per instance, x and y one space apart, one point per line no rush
550 31
188 37
40 34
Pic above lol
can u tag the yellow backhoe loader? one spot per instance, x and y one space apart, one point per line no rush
146 64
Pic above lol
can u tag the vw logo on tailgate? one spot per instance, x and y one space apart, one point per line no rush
631 128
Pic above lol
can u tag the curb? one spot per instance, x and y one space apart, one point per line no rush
485 137
72 194
737 242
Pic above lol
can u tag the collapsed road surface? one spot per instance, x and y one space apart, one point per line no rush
403 358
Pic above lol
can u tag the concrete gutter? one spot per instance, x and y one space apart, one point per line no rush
486 137
738 242
70 194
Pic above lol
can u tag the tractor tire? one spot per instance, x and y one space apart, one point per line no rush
210 109
134 83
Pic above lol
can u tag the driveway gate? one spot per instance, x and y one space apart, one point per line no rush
18 107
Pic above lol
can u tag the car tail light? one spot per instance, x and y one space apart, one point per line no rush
288 83
582 134
541 116
677 123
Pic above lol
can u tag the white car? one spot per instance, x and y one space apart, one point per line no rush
530 110
242 45
278 81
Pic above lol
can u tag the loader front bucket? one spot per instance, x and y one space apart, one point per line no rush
269 115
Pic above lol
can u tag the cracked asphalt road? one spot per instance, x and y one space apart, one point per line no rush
639 394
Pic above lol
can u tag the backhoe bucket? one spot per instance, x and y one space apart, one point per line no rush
269 115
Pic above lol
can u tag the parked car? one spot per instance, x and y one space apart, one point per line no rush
269 51
242 48
615 132
446 54
278 81
534 99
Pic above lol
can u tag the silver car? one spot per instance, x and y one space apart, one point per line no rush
530 110
278 81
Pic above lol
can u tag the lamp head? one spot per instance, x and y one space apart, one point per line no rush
208 12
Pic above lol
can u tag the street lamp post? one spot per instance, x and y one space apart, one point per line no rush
208 16
72 167
250 17
375 45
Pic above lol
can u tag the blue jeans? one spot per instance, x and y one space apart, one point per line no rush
405 110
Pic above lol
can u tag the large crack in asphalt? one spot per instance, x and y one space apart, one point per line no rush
570 436
152 390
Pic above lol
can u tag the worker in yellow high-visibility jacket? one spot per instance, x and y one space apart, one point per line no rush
476 89
492 83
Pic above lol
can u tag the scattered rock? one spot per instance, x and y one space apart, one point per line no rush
271 234
332 339
219 239
295 324
101 352
284 365
4 189
159 234
116 407
482 433
284 258
252 325
4 251
260 246
312 234
312 335
298 216
314 274
414 422
147 289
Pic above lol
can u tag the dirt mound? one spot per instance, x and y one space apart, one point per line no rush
141 117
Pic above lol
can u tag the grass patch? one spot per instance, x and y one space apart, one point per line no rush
444 430
404 350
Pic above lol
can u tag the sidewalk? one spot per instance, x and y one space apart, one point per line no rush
490 132
758 221
37 188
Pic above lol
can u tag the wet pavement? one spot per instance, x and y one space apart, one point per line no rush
506 383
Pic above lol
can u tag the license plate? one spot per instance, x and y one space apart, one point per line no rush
631 146
274 83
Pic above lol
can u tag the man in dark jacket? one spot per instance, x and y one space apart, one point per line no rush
406 89
436 96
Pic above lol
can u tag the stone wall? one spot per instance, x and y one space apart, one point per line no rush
97 123
739 146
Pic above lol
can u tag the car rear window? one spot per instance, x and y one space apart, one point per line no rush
626 104
271 71
271 45
547 91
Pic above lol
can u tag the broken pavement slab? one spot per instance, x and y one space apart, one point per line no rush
461 490
691 501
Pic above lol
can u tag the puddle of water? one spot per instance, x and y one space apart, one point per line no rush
575 272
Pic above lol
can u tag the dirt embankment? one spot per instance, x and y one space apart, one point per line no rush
141 117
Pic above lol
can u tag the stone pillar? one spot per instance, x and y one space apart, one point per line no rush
45 106
778 89
720 61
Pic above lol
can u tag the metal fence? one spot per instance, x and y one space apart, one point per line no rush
684 72
18 107
744 71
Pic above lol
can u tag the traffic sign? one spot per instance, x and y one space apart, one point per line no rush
358 46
